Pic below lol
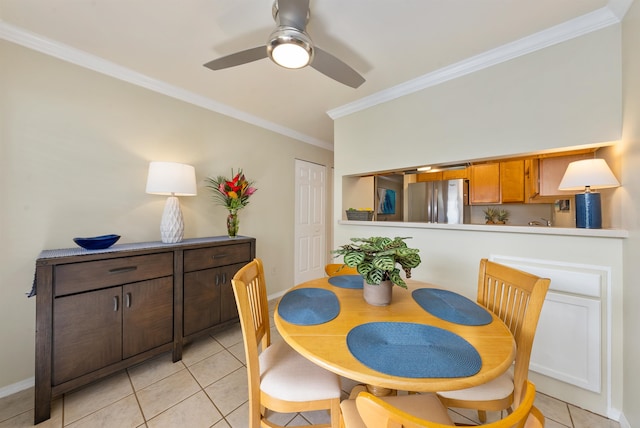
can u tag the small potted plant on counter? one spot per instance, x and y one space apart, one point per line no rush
362 214
490 215
377 260
503 216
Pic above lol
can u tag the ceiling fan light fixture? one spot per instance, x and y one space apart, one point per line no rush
290 48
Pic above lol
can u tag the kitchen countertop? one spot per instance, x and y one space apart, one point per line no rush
536 230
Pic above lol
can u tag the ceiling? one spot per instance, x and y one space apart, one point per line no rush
398 46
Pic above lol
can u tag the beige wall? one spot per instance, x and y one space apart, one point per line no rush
75 147
565 95
630 151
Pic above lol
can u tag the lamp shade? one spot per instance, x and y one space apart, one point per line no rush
592 173
583 176
171 178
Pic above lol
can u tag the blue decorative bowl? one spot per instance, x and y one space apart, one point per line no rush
97 242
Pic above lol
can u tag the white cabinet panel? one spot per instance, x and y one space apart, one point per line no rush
568 343
571 340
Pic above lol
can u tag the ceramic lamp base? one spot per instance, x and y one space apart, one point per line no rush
172 225
588 211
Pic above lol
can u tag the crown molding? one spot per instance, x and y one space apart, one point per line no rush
576 27
75 56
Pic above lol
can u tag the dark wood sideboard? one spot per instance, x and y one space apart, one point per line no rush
98 312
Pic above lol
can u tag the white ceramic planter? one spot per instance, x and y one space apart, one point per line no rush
378 295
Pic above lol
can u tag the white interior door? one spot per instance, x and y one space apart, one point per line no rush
310 225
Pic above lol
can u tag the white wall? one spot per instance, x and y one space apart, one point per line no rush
74 152
565 95
630 155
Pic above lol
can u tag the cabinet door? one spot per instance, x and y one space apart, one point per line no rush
484 184
87 332
201 300
552 170
228 307
429 176
512 181
453 174
147 315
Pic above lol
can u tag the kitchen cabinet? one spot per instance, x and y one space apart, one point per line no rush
552 170
484 184
497 182
446 174
429 176
512 181
453 174
98 312
544 175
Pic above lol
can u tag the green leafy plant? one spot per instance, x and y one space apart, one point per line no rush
503 216
376 258
490 214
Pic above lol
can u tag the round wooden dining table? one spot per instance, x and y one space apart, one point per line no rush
325 344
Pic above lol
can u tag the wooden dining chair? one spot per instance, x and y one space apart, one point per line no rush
426 411
280 379
335 269
516 297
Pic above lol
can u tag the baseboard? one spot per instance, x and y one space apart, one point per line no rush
17 387
277 295
624 423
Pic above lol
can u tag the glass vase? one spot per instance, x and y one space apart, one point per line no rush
233 223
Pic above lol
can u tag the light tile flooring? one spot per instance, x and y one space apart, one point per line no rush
208 388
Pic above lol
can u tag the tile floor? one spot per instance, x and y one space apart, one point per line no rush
208 388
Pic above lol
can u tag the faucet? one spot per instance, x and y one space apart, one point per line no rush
538 223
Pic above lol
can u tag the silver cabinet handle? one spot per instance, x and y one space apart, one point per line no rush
219 256
128 300
217 279
115 303
224 278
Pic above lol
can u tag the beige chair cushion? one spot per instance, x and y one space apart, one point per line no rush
282 369
424 406
498 388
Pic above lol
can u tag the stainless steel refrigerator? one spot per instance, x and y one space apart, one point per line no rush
439 202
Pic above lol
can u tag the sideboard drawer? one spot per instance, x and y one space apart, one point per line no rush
86 276
205 258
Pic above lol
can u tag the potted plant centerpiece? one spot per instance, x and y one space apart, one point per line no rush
377 260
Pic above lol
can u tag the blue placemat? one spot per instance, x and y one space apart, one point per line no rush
451 306
309 306
413 350
346 281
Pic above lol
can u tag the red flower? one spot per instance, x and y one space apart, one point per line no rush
233 194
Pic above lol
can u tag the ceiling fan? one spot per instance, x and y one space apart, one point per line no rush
290 46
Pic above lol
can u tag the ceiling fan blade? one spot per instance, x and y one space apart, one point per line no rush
334 68
293 13
238 58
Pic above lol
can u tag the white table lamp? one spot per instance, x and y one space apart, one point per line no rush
173 179
587 175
